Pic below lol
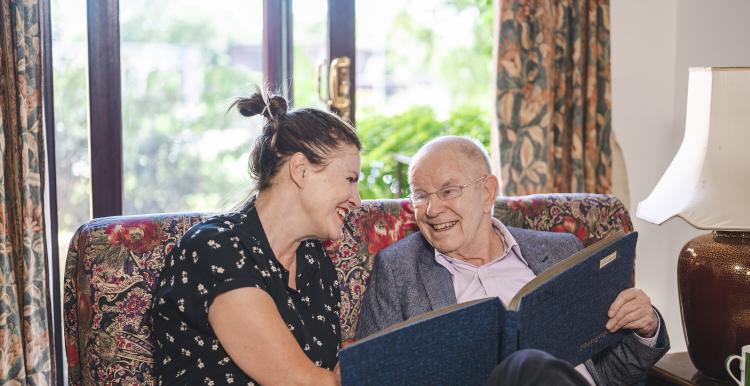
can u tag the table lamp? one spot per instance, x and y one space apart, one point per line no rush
708 185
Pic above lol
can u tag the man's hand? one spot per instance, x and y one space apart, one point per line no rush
632 310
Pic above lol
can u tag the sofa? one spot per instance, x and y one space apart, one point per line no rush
113 264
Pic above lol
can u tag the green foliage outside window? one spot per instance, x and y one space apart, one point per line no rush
465 72
385 137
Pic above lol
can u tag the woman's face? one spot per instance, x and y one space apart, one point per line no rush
332 192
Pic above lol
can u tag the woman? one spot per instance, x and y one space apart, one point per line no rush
250 297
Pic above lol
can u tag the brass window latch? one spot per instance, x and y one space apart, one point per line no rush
338 97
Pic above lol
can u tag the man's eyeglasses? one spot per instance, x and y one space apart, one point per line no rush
420 197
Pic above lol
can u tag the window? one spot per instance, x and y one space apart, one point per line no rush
182 62
73 168
310 41
141 126
423 70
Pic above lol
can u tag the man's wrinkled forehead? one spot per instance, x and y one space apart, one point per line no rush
441 167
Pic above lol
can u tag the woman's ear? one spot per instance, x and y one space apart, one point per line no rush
298 169
491 188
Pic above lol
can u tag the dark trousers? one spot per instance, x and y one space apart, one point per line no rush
535 368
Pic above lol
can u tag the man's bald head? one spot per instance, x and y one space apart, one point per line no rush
467 152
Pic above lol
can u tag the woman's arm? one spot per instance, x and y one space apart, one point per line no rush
251 330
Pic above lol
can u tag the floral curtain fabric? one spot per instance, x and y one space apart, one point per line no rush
553 96
25 328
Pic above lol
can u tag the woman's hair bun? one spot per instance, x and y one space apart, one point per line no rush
277 105
256 104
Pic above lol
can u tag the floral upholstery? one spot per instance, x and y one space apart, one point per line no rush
591 217
113 263
110 272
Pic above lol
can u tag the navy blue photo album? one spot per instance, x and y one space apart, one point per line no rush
563 311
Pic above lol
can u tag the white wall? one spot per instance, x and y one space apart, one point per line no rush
653 44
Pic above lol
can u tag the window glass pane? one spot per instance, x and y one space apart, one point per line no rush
70 99
69 64
309 32
182 62
423 69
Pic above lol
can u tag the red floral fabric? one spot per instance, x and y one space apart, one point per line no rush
590 217
113 263
110 273
137 235
374 226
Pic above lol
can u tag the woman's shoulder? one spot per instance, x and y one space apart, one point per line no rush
221 227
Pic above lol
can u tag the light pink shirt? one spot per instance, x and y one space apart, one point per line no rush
503 276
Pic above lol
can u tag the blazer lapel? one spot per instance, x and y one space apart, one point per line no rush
437 281
535 252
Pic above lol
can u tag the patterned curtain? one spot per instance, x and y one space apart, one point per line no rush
553 96
25 328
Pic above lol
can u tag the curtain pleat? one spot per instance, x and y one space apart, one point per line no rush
25 327
553 101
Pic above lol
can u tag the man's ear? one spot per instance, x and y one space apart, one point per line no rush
299 168
491 188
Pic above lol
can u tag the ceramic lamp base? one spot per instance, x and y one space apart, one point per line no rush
713 275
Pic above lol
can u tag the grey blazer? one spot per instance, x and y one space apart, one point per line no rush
407 281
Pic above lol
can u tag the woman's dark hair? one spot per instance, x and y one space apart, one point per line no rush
312 132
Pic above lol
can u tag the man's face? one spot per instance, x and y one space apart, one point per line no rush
451 226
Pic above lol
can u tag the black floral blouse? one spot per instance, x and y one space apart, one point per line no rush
225 253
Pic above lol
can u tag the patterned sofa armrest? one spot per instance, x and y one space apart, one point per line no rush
110 274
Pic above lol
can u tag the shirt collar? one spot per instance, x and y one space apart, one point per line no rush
509 245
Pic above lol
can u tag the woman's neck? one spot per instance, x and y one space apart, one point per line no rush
279 215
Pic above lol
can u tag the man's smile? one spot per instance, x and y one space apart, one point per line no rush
442 227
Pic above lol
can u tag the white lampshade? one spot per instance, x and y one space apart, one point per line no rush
708 182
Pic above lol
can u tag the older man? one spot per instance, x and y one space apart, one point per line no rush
462 253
